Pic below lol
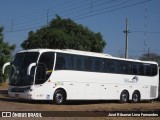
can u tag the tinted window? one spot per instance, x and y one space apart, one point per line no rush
111 66
47 59
154 70
79 63
135 69
45 67
60 62
18 73
70 64
147 69
95 64
140 69
88 64
125 67
99 65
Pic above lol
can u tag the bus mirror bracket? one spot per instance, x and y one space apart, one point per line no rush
30 67
4 66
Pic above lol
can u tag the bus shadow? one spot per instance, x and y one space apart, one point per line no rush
87 102
8 99
4 97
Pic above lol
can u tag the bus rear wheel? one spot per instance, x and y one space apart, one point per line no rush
136 97
59 97
124 98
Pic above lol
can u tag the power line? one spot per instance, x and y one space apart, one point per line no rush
90 15
43 21
145 28
113 9
88 8
43 17
122 3
141 31
42 14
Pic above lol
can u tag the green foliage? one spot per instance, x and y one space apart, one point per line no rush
5 53
65 34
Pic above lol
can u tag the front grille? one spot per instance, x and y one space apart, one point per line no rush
20 89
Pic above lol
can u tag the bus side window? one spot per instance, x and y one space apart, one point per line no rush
134 68
140 69
147 69
79 64
98 65
88 64
70 65
60 63
44 68
111 66
123 67
154 70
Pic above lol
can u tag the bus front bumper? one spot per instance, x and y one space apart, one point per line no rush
25 95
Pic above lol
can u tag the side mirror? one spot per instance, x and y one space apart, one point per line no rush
30 67
4 66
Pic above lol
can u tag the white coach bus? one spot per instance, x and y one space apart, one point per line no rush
60 75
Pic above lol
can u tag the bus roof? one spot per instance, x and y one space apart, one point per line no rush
85 53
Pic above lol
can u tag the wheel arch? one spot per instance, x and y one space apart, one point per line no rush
128 95
125 90
137 92
62 89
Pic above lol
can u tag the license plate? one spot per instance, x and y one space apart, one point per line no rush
16 95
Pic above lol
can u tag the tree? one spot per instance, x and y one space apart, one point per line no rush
65 34
5 53
151 57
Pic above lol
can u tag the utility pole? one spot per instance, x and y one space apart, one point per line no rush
91 5
148 52
47 17
126 46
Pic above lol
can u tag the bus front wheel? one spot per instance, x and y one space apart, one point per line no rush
59 97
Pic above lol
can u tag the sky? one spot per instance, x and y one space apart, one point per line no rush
108 17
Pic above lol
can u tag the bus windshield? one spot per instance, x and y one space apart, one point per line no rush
18 73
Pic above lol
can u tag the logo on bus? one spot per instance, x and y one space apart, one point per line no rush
134 80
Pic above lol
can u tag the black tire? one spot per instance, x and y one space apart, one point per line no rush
59 97
124 98
136 97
